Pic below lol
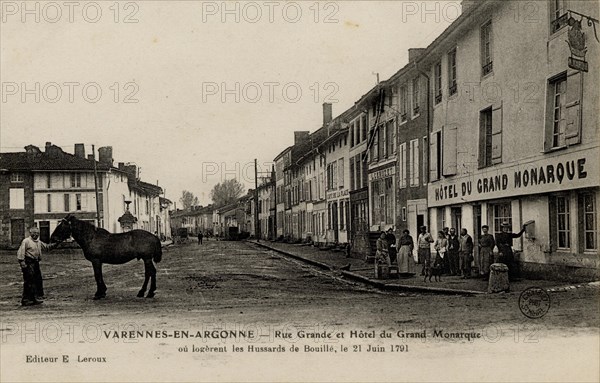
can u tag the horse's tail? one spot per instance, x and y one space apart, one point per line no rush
157 252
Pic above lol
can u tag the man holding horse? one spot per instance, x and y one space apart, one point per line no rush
29 256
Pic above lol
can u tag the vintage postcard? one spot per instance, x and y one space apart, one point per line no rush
299 191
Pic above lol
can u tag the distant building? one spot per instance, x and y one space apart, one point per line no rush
41 187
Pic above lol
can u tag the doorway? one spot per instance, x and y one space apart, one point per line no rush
45 231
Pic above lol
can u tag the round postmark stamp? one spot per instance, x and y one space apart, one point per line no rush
534 302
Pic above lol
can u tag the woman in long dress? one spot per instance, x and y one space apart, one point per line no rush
406 263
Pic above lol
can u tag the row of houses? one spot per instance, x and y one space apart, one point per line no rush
496 120
39 188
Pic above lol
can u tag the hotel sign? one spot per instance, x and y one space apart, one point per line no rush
337 194
571 171
383 173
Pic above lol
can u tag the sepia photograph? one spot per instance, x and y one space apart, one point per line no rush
300 191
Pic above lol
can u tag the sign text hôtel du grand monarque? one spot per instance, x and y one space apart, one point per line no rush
570 171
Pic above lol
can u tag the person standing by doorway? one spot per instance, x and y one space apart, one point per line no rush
453 248
504 241
29 256
424 253
391 241
486 251
465 253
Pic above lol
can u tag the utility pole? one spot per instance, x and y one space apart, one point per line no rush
96 187
256 231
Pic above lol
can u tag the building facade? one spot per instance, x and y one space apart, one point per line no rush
514 134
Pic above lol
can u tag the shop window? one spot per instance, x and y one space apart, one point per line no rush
501 212
589 215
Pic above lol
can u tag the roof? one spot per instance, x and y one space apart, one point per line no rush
22 161
283 152
144 187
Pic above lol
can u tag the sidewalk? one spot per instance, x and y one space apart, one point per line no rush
358 269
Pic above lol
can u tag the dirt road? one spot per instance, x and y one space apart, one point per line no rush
235 285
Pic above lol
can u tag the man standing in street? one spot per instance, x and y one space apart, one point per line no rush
391 240
200 237
29 256
424 253
504 241
453 247
465 253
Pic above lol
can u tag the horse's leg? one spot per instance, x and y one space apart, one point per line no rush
152 280
100 286
147 264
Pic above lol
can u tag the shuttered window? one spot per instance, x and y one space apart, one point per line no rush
435 156
402 165
563 120
449 151
414 163
497 134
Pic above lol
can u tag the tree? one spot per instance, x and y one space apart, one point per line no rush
226 192
188 199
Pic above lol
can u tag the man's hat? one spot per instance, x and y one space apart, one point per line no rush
34 229
505 224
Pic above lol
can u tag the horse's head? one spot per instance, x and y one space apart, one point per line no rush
63 230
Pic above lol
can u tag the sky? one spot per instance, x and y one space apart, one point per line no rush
193 91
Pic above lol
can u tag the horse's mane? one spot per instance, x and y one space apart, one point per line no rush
87 226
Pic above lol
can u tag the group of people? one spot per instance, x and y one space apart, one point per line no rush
453 251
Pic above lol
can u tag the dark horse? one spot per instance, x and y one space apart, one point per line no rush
99 246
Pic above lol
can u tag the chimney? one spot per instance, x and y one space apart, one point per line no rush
121 165
32 149
327 113
105 155
79 150
414 53
131 169
301 136
53 150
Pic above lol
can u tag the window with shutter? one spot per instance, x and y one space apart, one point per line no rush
341 172
573 108
497 134
414 163
449 151
485 138
402 164
433 155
